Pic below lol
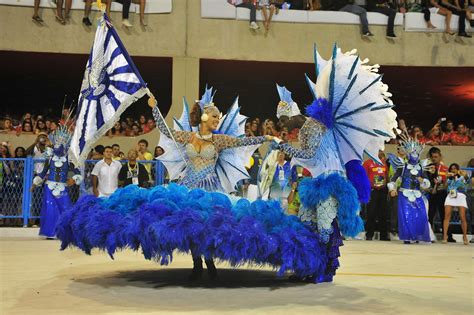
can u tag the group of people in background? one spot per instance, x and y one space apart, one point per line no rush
447 8
441 189
63 11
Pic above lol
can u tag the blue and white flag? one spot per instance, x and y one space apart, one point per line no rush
111 84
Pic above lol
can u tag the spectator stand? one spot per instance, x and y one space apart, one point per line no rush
19 201
411 21
219 9
160 6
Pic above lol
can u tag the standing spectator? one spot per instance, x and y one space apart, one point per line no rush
52 126
125 11
294 202
105 175
133 173
36 16
159 151
136 130
448 132
253 168
437 175
26 127
349 6
435 135
20 152
116 152
249 4
144 154
377 207
382 6
457 182
461 137
97 153
37 150
280 187
459 12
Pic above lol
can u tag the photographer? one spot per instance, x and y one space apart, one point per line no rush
37 150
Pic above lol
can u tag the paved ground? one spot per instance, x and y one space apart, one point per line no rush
375 278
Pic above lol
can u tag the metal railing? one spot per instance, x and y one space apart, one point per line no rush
18 199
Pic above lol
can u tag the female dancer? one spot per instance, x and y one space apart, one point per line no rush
200 151
457 182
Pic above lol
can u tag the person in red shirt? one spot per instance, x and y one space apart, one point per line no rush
435 135
377 207
460 137
448 134
437 174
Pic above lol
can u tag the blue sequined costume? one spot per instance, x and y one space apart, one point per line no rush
55 175
413 222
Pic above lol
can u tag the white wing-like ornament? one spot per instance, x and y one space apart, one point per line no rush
230 165
360 118
172 159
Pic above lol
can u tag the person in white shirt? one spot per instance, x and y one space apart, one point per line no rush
105 175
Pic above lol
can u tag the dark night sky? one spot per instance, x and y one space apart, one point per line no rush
37 82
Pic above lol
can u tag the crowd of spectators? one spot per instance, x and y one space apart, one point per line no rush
444 132
461 8
31 124
63 11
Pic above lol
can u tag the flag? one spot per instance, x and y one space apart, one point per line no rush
110 85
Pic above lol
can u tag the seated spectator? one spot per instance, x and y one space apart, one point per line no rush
142 11
26 127
432 7
149 126
59 11
457 10
349 6
52 126
314 5
133 173
268 9
40 126
116 130
36 16
249 4
417 133
435 135
142 121
7 125
87 11
461 137
136 130
382 6
125 11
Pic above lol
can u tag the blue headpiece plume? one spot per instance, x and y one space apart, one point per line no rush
285 94
321 110
207 98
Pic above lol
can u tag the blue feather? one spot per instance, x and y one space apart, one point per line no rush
321 110
359 179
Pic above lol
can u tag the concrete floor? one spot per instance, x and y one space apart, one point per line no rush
375 278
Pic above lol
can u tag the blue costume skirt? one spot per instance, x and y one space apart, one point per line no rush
412 220
51 210
162 220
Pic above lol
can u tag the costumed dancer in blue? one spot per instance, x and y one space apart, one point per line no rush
208 153
351 115
413 222
55 178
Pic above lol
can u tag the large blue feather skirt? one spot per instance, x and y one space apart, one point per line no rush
165 219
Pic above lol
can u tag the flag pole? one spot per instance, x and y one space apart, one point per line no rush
153 103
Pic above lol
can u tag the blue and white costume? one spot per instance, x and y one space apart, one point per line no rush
54 176
413 222
198 216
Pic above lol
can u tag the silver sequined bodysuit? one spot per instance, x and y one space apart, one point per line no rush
309 138
201 169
